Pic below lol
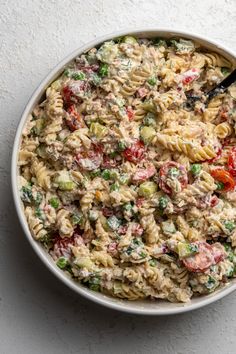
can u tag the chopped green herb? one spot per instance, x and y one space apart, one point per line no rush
124 178
143 254
210 283
94 283
95 173
62 263
129 250
113 154
163 202
26 194
127 207
103 70
39 213
137 242
230 272
159 42
96 79
67 73
152 262
173 172
54 202
77 219
149 119
114 187
195 169
121 146
78 76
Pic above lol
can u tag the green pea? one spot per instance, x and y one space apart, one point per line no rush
67 73
195 169
173 172
106 174
225 71
229 225
152 262
152 81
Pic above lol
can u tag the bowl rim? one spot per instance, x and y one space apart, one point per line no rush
106 301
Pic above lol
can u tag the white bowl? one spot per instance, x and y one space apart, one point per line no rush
157 307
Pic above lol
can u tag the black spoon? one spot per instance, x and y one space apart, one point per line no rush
220 88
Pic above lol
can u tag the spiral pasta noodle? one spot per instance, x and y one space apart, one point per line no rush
127 173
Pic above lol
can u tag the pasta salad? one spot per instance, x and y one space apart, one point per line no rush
127 173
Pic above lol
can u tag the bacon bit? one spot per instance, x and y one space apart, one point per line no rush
122 229
89 68
62 246
112 248
190 76
214 201
89 160
108 162
130 113
143 174
142 92
107 212
139 202
137 230
67 95
224 115
74 121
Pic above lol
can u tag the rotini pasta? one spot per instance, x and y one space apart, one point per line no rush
130 189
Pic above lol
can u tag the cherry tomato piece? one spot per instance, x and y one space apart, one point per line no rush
232 161
130 113
135 152
225 177
201 261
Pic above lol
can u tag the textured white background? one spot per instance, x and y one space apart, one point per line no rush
37 313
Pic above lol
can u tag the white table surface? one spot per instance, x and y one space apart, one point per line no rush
38 314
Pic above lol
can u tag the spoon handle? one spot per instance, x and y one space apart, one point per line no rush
223 85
